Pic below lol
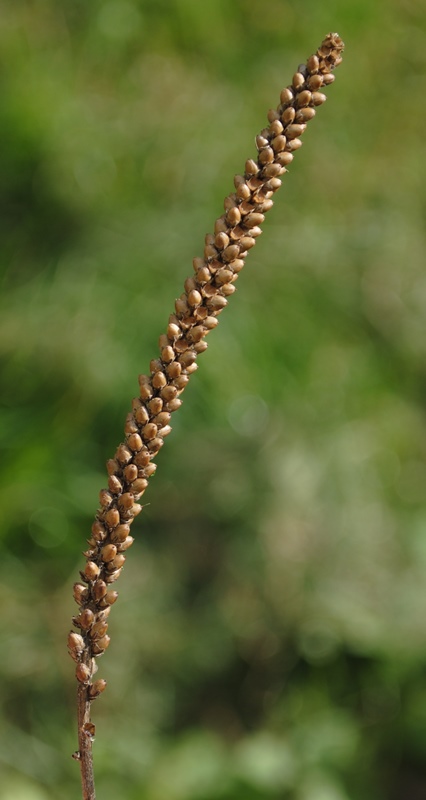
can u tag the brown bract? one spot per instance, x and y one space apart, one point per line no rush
196 314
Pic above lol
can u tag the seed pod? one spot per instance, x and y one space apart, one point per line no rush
181 306
135 442
173 330
155 445
279 143
126 500
305 114
220 225
105 498
149 430
123 454
276 128
285 158
266 205
271 171
329 77
222 276
217 303
272 115
126 544
80 593
286 96
91 570
108 552
189 370
86 619
112 518
227 290
233 216
168 393
292 131
251 168
295 144
231 252
75 643
112 466
118 561
130 426
304 98
155 405
120 534
298 80
203 275
142 458
141 415
255 218
109 599
212 322
161 419
99 590
111 577
194 298
150 469
266 156
114 485
99 629
187 358
167 354
230 201
130 472
159 380
101 645
139 485
173 371
313 64
174 404
247 241
210 251
243 192
288 116
82 673
97 688
318 98
315 82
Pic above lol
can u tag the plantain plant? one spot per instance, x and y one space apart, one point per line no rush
196 313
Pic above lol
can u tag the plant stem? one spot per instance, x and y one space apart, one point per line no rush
85 743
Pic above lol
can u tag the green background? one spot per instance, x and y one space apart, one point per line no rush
269 642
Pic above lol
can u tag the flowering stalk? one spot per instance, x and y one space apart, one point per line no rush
147 425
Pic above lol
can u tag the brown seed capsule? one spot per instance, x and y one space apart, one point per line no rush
266 205
108 552
98 531
168 393
82 673
231 252
315 82
91 570
130 426
99 629
276 128
152 468
173 371
230 201
111 577
254 219
304 98
203 275
118 561
285 158
270 171
156 444
233 216
99 590
97 688
217 303
126 500
194 298
130 472
174 404
220 225
105 498
288 116
123 454
305 114
318 98
121 532
312 64
75 643
292 131
114 485
251 168
279 143
187 358
227 290
149 430
272 115
142 458
136 508
112 518
110 598
126 544
210 251
135 442
112 466
141 415
294 144
243 192
212 322
161 419
266 156
286 95
159 380
101 645
167 354
80 593
298 80
247 241
181 306
329 77
139 485
261 141
86 619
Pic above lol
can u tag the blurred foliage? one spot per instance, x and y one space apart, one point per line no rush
270 639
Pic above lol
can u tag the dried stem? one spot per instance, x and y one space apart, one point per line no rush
196 313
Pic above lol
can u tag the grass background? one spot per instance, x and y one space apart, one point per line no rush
270 638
